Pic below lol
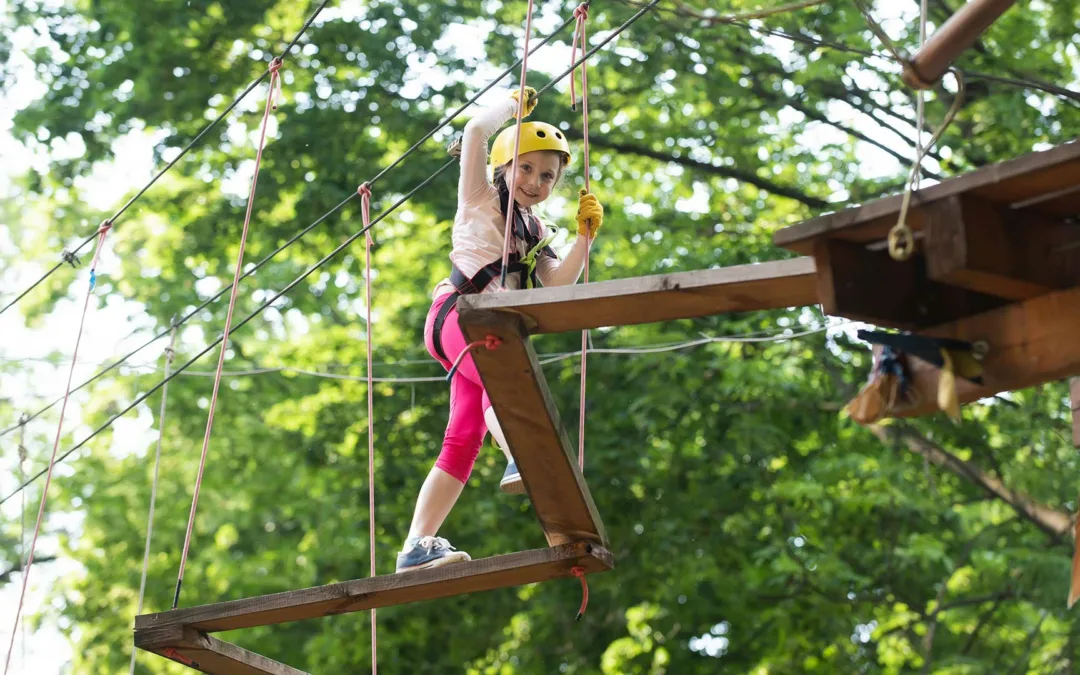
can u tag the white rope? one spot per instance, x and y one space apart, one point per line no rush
170 352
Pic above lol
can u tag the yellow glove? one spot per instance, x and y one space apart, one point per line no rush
530 99
590 215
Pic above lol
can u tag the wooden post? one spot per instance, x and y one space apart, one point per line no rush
955 35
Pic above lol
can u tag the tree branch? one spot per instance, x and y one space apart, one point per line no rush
5 576
1056 524
726 172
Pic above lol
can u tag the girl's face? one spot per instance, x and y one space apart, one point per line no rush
536 175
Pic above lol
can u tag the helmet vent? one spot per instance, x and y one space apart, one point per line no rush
558 135
541 134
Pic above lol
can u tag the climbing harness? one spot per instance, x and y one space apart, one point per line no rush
523 266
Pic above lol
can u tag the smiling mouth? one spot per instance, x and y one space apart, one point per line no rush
527 193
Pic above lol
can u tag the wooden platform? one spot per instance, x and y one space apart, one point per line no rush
185 630
661 297
985 239
997 260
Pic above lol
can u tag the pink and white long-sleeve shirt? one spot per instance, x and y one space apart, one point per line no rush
479 223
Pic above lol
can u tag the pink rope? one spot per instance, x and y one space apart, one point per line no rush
517 145
275 66
582 13
365 213
103 231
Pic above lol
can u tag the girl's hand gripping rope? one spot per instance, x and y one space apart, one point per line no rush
530 100
590 214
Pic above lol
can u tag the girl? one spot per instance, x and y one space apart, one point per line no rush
476 257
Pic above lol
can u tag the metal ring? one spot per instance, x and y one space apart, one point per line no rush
901 242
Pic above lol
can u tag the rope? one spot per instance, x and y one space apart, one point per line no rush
517 146
318 265
70 256
170 353
365 212
259 265
491 342
102 232
581 13
275 66
22 514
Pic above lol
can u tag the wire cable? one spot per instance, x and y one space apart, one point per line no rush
295 282
71 256
259 265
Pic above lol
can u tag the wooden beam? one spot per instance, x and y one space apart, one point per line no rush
1074 397
661 297
957 34
864 285
1029 342
207 654
531 425
974 244
515 569
1022 181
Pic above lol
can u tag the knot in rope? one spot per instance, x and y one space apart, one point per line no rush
275 82
364 190
581 13
492 342
106 225
579 572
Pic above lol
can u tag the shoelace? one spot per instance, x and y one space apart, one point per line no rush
429 543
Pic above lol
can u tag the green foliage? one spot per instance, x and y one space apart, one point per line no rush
753 530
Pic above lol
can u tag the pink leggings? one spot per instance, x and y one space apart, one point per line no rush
466 429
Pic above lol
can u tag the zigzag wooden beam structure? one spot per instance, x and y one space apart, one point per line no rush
207 654
519 393
181 634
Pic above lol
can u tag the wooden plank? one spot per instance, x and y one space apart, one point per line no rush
661 297
207 654
1030 342
864 285
1023 178
530 423
485 574
1074 397
979 246
961 31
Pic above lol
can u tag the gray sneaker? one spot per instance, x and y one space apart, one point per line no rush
429 552
511 481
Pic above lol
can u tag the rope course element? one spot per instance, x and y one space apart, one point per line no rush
71 257
275 67
365 213
901 238
299 235
22 515
170 354
739 20
581 13
547 359
323 261
102 232
517 147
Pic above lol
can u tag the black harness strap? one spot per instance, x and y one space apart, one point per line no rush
463 285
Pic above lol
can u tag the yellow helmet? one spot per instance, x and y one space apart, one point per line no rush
534 136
